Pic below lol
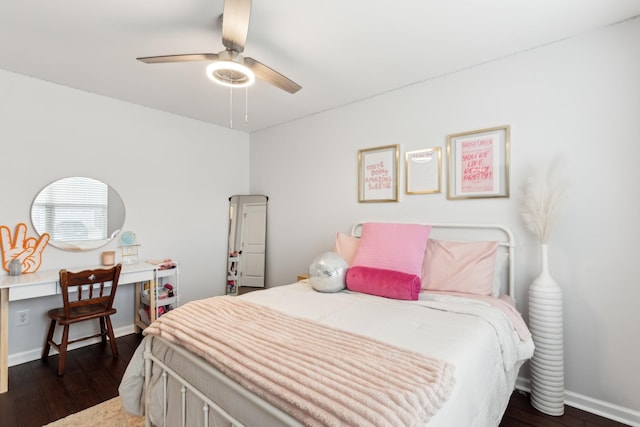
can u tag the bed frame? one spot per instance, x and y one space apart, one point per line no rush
462 232
207 403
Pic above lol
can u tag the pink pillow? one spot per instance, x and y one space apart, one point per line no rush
346 246
459 266
383 283
392 246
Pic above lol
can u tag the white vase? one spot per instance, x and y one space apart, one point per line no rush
545 323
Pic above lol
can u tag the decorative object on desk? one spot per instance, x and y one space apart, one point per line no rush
108 258
541 196
163 264
327 272
128 238
27 250
129 247
129 254
15 267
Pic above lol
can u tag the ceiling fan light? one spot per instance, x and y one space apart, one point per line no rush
231 74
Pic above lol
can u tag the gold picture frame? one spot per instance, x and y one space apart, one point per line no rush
378 174
478 163
423 171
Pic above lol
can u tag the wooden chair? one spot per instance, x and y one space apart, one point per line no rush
86 295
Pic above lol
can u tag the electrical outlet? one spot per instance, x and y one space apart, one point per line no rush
23 318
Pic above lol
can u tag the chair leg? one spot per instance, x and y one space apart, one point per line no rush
112 338
63 350
103 330
48 338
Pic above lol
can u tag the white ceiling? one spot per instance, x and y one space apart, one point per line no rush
339 51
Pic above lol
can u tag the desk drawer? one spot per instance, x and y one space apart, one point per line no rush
135 276
32 291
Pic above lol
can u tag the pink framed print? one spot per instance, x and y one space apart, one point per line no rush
378 174
478 163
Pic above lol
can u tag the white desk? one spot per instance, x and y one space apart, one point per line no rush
42 284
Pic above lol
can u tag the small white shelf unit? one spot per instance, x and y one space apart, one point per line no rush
157 296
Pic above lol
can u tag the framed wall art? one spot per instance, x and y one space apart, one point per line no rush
378 174
478 163
423 171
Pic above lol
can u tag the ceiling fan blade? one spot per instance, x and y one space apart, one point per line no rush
270 75
189 57
235 24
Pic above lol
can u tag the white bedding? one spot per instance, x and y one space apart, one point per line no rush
478 339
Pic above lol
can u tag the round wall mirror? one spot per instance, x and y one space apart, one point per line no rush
80 214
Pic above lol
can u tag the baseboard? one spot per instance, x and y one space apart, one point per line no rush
30 355
594 406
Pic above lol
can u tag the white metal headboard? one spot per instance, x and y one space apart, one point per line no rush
506 240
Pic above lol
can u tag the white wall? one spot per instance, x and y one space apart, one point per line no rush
174 174
579 100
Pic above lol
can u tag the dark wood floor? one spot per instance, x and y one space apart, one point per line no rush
520 413
38 396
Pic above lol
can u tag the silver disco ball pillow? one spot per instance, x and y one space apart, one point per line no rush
327 272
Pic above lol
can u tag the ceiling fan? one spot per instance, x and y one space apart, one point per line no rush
229 67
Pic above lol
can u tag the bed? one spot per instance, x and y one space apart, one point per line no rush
291 355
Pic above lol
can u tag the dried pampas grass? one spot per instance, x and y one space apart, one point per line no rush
541 197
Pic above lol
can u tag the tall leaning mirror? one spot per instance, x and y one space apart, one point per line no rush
247 243
79 213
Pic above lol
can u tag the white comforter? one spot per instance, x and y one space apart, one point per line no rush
478 339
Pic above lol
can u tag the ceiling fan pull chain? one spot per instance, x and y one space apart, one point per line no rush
231 107
246 105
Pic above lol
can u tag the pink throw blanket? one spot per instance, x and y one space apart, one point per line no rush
319 375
